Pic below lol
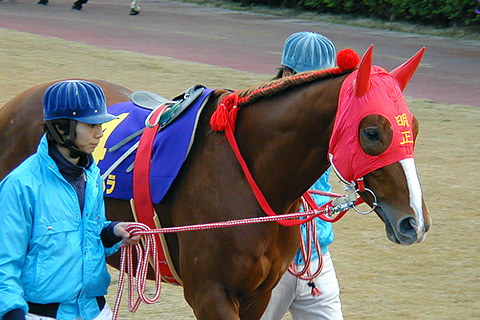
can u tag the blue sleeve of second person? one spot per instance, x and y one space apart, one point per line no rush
324 229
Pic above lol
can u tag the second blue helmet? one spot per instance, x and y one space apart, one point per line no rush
305 51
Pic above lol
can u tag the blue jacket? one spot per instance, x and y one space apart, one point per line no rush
51 252
324 229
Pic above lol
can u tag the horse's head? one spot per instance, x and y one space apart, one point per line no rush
373 141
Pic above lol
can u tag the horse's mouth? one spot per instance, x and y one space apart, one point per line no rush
394 234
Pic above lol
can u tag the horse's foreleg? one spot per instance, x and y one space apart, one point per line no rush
255 309
134 7
212 302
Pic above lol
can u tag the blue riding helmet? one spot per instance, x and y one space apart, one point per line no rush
79 100
305 51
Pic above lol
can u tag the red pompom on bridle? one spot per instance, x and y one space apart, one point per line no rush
347 59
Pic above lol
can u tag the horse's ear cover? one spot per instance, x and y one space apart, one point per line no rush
362 83
404 72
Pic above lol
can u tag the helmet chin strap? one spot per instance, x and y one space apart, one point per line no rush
64 141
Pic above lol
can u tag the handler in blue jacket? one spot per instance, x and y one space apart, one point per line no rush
52 213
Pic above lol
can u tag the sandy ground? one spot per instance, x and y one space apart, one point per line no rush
438 279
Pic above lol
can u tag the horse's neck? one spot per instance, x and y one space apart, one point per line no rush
285 139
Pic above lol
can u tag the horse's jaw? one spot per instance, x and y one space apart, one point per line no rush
399 201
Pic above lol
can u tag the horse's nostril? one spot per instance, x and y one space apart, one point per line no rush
408 227
413 222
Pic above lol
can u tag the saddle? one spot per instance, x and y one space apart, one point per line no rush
152 101
174 108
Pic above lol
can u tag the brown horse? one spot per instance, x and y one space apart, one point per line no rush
283 133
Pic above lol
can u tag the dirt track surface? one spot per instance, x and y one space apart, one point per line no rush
449 72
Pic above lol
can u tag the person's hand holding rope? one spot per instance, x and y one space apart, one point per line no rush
127 239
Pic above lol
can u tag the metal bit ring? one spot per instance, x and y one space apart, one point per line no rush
375 203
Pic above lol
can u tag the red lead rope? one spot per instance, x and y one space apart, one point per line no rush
151 250
126 261
150 244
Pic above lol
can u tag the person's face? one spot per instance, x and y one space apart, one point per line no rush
288 73
88 136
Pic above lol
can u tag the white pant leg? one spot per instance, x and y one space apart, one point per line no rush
282 297
105 314
325 307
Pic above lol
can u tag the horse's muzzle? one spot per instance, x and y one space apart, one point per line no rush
403 231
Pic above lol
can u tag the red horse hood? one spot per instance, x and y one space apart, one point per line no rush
382 95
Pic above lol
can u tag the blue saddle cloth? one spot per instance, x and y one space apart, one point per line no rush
170 148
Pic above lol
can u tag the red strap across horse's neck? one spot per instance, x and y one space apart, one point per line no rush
231 117
251 181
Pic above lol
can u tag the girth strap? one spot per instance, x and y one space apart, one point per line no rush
141 187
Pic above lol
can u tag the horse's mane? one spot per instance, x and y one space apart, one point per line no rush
226 111
276 86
